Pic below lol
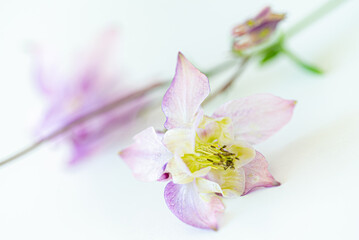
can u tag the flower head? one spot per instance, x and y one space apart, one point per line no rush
256 30
71 93
206 158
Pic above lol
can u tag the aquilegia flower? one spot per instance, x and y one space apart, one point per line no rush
256 30
90 85
206 158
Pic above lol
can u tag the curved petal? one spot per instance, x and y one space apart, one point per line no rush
207 186
147 156
243 151
183 98
231 181
187 204
257 117
257 174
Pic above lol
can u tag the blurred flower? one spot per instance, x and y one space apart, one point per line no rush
71 94
206 158
256 30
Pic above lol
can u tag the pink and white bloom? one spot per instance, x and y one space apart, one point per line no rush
206 158
89 83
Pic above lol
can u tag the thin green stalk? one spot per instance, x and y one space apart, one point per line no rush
313 17
301 63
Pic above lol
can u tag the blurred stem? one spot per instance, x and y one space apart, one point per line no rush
23 152
230 81
220 68
314 16
90 115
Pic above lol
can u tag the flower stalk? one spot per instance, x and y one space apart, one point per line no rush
85 117
313 17
231 80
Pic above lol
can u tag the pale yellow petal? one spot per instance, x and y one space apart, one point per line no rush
207 186
243 151
231 181
180 141
215 130
202 172
179 171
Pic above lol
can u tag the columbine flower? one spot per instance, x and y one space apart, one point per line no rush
71 94
256 30
204 157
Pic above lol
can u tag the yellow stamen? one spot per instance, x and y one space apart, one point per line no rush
210 155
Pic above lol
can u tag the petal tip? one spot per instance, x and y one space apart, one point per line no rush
164 177
214 228
180 54
121 153
181 59
185 95
276 183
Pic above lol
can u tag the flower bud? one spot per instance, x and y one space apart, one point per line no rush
256 30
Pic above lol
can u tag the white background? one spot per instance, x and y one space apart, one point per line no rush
315 157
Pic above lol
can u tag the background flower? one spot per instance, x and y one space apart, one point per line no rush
88 84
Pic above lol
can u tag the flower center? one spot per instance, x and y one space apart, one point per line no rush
210 155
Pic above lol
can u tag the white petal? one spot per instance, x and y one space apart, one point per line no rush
147 155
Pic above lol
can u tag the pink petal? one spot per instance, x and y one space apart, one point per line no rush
257 174
92 75
183 98
104 130
91 82
185 202
147 156
257 117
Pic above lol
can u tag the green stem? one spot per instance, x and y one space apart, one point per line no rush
301 63
314 16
